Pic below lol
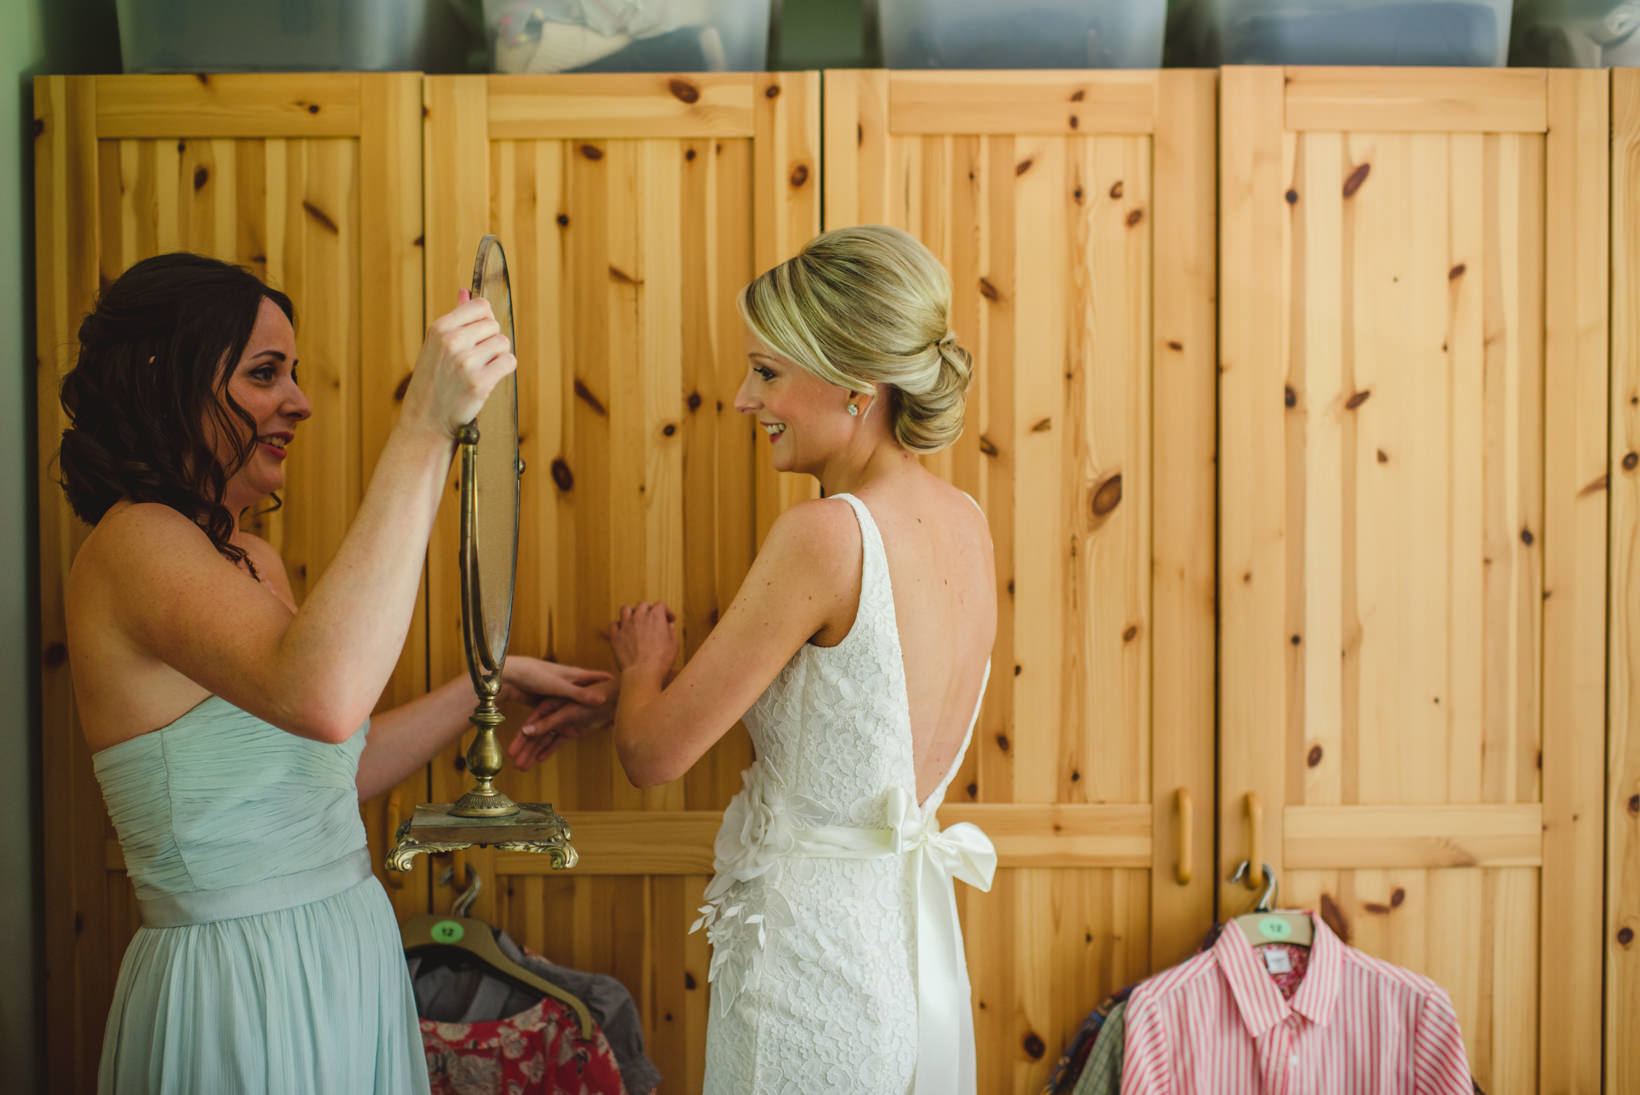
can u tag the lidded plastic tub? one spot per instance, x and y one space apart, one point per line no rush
627 35
274 35
1022 33
1363 32
1576 33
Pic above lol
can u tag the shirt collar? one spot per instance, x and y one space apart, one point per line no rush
1258 1000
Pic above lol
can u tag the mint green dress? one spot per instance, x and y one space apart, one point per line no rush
269 956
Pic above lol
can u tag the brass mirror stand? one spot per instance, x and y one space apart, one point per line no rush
484 816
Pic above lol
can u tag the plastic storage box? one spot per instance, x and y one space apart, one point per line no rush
627 35
1027 34
1576 33
1363 32
273 35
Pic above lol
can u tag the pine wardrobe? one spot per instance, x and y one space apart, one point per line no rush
1306 413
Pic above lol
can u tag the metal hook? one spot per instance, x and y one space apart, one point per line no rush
464 901
1267 900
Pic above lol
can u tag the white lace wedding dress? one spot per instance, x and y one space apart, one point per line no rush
837 960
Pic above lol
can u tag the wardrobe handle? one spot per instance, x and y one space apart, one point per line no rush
1181 870
395 814
1255 840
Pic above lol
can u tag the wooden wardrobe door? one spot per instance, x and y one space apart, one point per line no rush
1413 530
1623 650
1075 212
313 183
633 209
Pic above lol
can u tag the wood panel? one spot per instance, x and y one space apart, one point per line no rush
1412 537
309 212
1042 195
1623 649
630 226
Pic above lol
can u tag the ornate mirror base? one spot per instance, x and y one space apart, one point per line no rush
536 827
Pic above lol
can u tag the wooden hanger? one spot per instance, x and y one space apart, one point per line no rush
1267 924
476 938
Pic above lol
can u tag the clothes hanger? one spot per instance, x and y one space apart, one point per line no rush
476 938
1266 923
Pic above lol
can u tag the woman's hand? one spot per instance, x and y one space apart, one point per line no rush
463 359
538 682
644 638
557 721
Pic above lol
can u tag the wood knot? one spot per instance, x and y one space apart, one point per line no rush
693 401
1107 496
688 980
669 429
1295 640
988 291
1383 457
683 90
584 394
1023 166
1625 936
54 655
1357 399
689 154
322 217
1631 460
1456 272
1397 896
1175 345
1291 196
800 175
1134 217
1076 775
1357 177
592 152
1116 190
1002 742
987 446
1130 633
772 91
401 387
973 790
1079 95
313 108
1634 804
1526 537
561 475
621 276
39 126
563 220
1289 397
1034 1046
1042 426
1075 122
202 175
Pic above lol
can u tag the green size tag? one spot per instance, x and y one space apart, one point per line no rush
1271 927
448 931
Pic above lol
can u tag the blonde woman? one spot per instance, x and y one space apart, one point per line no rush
857 651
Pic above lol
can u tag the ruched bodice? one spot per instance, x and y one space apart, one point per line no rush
269 958
219 798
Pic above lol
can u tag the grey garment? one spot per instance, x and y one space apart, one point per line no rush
448 994
1102 1075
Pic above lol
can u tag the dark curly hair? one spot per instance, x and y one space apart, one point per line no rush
155 357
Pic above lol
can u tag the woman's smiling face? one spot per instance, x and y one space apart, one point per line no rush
805 418
264 384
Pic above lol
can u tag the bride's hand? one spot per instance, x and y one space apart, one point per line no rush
644 638
557 721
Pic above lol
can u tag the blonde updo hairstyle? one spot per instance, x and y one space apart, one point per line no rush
865 306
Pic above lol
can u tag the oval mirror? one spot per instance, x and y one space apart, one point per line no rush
489 490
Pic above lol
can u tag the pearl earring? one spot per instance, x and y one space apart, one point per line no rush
853 409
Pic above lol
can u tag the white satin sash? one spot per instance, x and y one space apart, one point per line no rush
945 1018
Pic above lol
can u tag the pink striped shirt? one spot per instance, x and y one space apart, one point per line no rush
1217 1025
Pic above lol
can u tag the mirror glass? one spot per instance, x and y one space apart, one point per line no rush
494 527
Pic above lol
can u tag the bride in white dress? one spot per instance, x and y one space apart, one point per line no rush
857 652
